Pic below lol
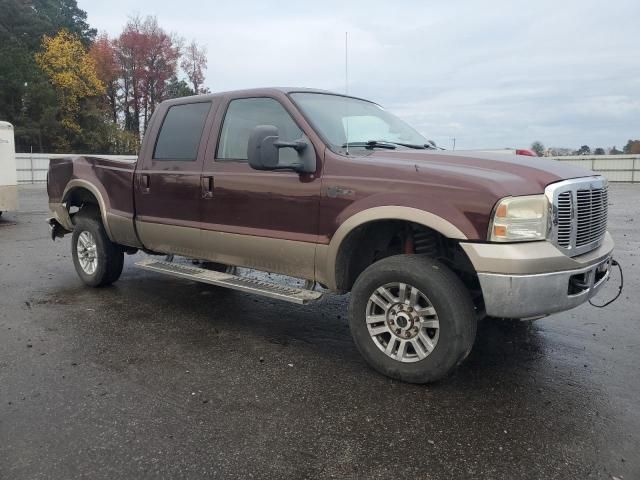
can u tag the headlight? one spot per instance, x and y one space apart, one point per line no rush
520 219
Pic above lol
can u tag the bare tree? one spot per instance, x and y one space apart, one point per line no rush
194 63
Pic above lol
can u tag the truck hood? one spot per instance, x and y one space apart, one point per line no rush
501 174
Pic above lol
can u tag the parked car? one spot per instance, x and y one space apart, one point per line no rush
8 181
508 151
337 191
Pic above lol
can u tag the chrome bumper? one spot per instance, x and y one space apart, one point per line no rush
523 296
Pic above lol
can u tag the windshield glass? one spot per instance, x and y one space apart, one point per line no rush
337 117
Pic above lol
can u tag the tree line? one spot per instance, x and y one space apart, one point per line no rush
67 89
632 147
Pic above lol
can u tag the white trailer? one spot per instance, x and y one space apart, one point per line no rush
8 177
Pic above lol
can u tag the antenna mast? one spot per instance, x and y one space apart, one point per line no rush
346 86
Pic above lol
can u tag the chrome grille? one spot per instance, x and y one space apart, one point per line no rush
564 219
579 216
592 215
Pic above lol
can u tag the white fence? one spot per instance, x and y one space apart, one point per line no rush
617 168
32 168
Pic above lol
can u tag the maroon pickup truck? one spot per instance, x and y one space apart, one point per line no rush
336 191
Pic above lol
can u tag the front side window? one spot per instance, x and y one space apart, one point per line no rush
243 115
181 131
341 119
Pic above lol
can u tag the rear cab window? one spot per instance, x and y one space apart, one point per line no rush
181 132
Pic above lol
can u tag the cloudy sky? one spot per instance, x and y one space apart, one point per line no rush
491 74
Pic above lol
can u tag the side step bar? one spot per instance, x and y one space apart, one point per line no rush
235 282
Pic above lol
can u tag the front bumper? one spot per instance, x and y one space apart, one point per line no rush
524 296
536 279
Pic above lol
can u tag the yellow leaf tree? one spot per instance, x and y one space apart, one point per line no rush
72 71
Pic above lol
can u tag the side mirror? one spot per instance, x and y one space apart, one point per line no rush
263 151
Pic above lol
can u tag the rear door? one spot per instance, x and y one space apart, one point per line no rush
260 219
167 183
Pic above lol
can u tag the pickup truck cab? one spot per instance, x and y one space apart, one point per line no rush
336 191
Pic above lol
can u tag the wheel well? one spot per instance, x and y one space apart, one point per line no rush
81 198
376 240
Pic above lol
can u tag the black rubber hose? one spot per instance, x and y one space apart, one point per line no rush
614 263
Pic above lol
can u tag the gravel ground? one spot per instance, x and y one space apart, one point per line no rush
164 378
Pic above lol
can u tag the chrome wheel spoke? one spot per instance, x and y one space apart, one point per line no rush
391 345
420 351
413 297
379 330
426 341
402 349
426 311
402 293
87 251
431 324
386 294
376 318
381 302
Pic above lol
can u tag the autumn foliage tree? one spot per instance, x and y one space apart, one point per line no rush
72 72
66 90
147 58
632 147
104 55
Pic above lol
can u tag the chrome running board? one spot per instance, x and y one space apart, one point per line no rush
234 282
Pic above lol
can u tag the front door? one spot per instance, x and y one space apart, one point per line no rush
167 183
266 220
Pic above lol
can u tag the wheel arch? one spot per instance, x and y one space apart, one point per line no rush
78 192
328 267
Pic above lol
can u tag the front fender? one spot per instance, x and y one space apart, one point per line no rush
326 255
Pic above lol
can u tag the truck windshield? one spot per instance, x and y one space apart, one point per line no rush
358 123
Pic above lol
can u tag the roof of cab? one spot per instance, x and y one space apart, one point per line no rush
5 124
254 91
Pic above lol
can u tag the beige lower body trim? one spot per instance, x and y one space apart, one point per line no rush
323 274
286 257
122 230
8 198
530 257
170 239
61 214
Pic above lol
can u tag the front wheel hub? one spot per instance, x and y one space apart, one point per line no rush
402 322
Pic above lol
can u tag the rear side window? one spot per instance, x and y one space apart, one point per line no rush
245 114
181 131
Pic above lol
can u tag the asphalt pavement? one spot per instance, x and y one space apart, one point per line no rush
157 377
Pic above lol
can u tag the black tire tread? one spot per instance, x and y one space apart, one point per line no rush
450 298
110 255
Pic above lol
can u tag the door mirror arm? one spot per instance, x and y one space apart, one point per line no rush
298 145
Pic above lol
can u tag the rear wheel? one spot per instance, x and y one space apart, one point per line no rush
98 261
411 318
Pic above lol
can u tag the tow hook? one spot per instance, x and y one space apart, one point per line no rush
614 263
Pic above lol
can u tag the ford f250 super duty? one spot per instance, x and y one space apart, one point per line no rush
336 191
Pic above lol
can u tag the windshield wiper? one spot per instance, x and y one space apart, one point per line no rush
370 144
408 145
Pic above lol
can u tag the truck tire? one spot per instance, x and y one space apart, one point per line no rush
412 318
98 261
